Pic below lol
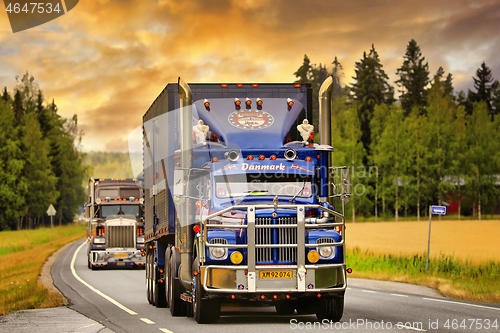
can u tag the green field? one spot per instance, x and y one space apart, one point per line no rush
22 256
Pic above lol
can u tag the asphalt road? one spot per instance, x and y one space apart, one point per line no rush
117 299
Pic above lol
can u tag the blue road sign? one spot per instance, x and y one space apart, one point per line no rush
441 210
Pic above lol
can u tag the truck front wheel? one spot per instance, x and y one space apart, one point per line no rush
331 308
177 306
205 311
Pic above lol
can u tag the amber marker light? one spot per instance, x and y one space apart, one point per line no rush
248 101
308 159
250 158
261 157
215 159
236 257
289 102
196 228
237 102
206 103
275 296
273 157
233 296
262 297
313 256
259 102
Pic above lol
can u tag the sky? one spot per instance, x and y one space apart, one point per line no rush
107 60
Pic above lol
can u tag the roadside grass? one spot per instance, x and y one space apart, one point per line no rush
21 261
450 276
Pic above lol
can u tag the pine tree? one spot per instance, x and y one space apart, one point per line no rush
485 87
304 72
413 78
370 89
12 184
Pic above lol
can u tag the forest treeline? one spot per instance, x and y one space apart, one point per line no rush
40 163
428 146
108 164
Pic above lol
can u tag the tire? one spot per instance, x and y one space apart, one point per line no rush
167 277
285 308
305 307
148 278
89 265
205 311
330 308
177 306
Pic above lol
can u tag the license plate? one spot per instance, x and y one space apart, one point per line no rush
121 255
275 274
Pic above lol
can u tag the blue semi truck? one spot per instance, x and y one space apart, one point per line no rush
240 203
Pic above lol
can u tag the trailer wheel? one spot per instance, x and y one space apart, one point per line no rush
205 311
167 277
331 308
177 306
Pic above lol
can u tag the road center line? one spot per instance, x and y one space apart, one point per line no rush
147 321
98 292
399 295
164 330
411 328
467 304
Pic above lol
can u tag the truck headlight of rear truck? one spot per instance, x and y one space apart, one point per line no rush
325 252
99 240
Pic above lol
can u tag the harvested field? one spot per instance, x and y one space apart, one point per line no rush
477 241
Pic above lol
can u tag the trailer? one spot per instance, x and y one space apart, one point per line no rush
115 231
240 203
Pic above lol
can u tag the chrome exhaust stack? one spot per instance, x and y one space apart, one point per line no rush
325 111
184 235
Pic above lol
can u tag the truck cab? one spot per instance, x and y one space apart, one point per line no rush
115 232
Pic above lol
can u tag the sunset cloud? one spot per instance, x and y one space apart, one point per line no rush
107 60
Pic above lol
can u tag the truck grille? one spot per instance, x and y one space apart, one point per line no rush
276 236
120 236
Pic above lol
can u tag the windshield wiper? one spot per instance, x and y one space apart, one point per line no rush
237 201
304 185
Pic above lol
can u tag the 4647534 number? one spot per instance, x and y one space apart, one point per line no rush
33 8
471 324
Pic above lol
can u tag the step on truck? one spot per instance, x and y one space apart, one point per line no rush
115 231
240 203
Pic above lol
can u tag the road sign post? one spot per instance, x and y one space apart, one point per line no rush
51 212
440 210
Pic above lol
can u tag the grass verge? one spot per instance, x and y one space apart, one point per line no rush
21 262
450 276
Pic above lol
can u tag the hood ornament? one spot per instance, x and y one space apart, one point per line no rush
275 202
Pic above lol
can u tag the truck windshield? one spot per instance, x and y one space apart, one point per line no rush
120 210
238 185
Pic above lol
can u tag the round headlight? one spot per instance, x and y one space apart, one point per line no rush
217 252
325 251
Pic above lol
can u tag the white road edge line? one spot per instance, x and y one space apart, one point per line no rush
164 330
460 303
411 328
98 292
399 295
369 291
147 321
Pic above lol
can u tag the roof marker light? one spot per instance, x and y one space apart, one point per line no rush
248 101
261 157
250 158
289 102
255 85
237 102
206 103
259 102
223 85
273 157
308 159
239 85
297 85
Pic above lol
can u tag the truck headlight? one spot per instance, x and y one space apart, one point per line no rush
325 252
99 240
218 253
